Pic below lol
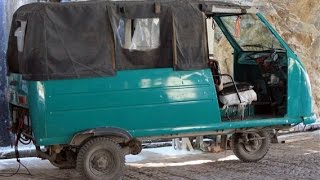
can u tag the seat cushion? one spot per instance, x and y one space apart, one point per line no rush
232 99
228 88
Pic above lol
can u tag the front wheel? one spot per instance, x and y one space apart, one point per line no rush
101 158
251 146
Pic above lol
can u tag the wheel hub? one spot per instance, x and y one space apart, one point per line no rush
253 142
101 162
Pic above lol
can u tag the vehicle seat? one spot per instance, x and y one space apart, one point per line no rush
229 94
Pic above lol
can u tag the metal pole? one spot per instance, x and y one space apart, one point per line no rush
5 139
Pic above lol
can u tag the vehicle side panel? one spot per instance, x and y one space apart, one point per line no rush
140 101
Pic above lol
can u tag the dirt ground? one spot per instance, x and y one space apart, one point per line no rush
297 158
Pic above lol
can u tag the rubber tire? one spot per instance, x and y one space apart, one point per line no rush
240 152
97 144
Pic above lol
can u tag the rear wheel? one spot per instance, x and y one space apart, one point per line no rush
251 147
101 158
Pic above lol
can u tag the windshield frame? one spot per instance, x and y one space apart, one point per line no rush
234 43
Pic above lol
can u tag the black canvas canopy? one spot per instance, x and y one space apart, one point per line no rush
90 39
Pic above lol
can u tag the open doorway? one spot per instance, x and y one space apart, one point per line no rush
249 68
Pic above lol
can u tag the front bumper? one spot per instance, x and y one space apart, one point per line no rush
309 119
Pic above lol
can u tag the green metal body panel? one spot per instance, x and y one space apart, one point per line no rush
146 103
152 102
142 102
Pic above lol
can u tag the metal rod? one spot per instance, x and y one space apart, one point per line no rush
234 84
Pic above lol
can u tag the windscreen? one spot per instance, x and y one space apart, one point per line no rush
250 33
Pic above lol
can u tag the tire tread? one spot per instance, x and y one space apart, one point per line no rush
236 148
87 145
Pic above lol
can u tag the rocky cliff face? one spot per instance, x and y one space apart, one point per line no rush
298 22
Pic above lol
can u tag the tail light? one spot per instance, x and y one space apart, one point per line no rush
22 100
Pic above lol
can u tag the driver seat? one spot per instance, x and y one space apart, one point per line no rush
231 93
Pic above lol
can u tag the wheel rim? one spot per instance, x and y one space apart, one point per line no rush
101 162
253 143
